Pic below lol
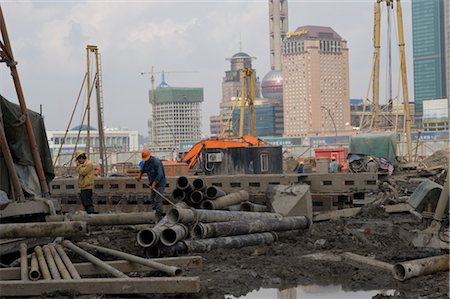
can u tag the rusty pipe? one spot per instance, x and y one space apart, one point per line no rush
107 219
34 274
176 215
214 192
199 184
23 262
42 229
51 262
59 263
42 263
173 234
96 261
233 228
226 200
253 207
425 266
70 267
170 270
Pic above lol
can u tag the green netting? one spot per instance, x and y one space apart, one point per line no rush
16 135
382 145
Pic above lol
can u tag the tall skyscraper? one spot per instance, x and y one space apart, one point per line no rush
316 82
278 25
429 51
231 90
447 44
178 114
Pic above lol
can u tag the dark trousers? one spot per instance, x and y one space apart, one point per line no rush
86 200
156 200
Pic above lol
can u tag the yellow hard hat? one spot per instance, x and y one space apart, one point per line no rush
79 153
370 159
333 158
301 162
146 155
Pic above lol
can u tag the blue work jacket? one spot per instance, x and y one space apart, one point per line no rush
155 171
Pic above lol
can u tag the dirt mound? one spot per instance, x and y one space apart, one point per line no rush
438 158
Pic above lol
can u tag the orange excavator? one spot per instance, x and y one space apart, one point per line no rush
192 157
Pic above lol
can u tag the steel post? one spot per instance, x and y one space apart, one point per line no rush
42 263
214 192
70 267
253 207
233 228
170 270
226 200
51 262
173 234
425 266
111 270
23 262
177 215
59 263
34 274
108 219
42 229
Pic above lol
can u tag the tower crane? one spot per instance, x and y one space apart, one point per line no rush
153 97
247 97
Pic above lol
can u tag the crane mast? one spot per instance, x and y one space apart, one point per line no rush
247 97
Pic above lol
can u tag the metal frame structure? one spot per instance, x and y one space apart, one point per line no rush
247 97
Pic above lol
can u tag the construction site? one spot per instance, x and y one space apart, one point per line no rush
240 217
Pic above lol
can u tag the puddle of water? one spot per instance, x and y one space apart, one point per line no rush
311 292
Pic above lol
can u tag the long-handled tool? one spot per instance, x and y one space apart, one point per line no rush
160 194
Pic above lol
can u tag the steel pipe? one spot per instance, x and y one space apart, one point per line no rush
197 197
150 237
110 269
206 245
226 200
178 194
59 263
199 184
170 270
233 228
34 274
174 233
51 262
177 215
23 262
214 192
42 229
425 266
253 207
183 184
42 263
70 267
107 219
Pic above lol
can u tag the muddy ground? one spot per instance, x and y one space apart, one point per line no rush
281 265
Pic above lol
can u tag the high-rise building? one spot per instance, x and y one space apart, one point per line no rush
278 26
231 90
178 115
315 82
429 51
447 43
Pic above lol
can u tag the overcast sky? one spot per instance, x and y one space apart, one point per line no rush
49 40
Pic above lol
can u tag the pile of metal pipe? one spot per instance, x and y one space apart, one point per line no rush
149 237
226 200
43 229
199 184
174 233
214 192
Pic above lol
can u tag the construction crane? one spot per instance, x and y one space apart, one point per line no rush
247 98
375 115
153 97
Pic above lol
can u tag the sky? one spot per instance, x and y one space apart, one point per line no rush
193 38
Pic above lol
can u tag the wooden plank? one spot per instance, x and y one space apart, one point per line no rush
146 285
336 214
89 269
398 208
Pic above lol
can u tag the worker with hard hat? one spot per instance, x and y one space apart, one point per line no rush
300 168
154 169
372 165
334 166
86 171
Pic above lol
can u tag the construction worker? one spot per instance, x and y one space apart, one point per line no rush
86 172
334 166
156 177
372 166
300 168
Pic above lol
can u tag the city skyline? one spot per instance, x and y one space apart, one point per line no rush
49 46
